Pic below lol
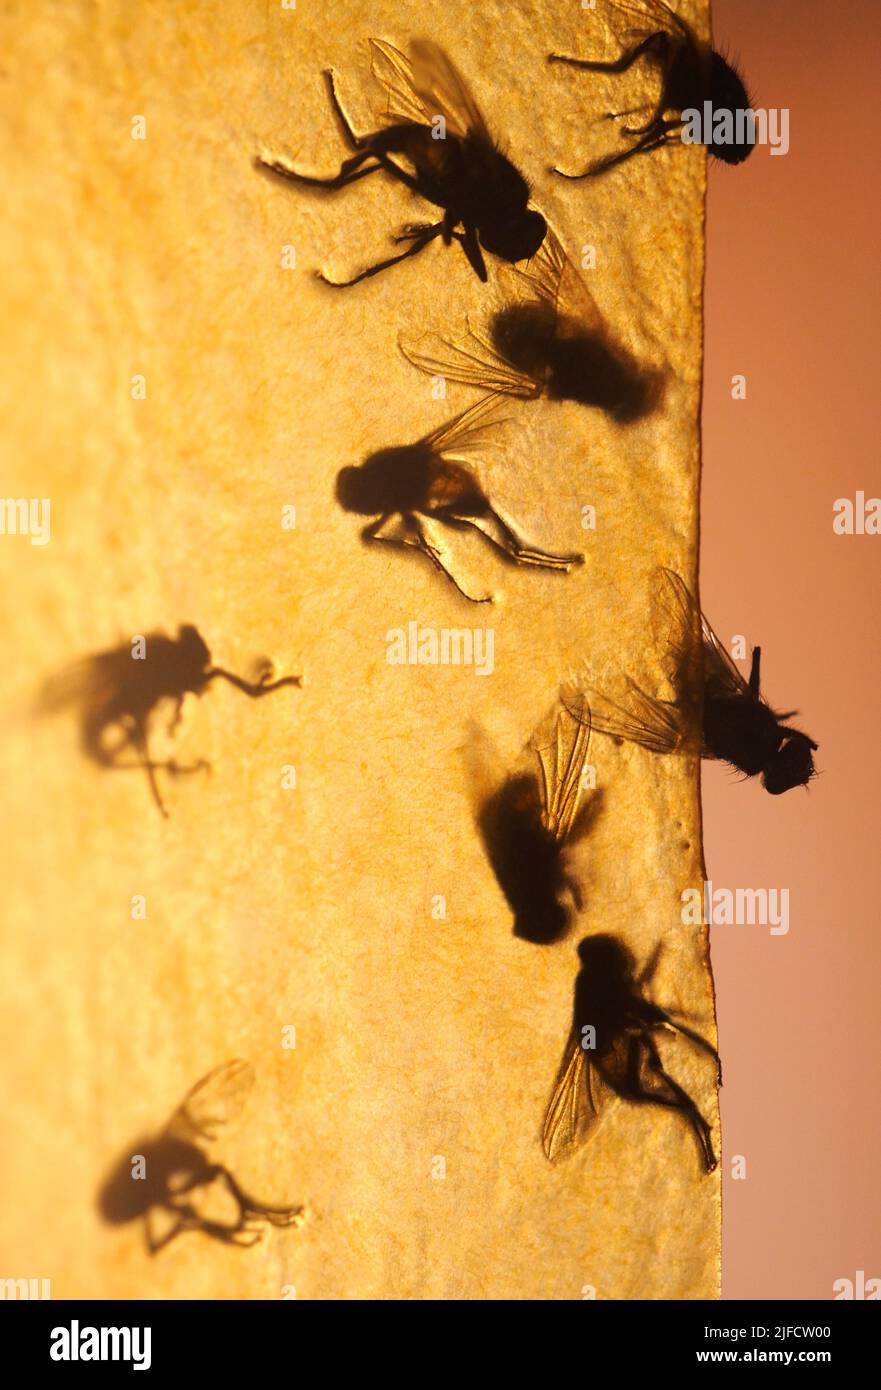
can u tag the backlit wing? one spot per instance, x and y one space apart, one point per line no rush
477 365
561 767
467 432
214 1102
424 86
575 1103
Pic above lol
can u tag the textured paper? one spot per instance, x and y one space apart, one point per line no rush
416 1038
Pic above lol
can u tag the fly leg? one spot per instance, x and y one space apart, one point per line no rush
658 134
416 537
251 688
680 1100
471 246
696 1038
249 1208
349 172
655 44
419 240
503 536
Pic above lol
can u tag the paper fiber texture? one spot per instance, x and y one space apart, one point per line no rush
358 906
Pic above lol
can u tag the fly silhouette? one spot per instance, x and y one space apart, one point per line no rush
433 125
690 71
118 695
612 1051
553 343
171 1182
716 712
528 823
409 486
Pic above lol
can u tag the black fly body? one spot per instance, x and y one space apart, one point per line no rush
408 486
552 344
612 1051
716 713
691 73
435 127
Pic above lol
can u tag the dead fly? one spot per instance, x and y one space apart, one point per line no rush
120 691
435 127
408 486
716 712
529 821
612 1051
691 73
553 344
170 1181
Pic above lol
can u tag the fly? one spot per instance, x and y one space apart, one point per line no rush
716 713
691 72
553 344
612 1051
408 486
172 1183
117 692
435 127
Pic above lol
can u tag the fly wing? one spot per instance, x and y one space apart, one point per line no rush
575 1103
657 725
553 279
561 768
650 16
486 369
468 431
214 1102
676 624
722 678
424 86
86 682
444 91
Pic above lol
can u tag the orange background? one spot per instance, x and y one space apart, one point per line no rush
792 301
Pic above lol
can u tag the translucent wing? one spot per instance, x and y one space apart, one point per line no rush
650 16
213 1102
444 91
85 682
561 768
425 86
676 628
575 1102
721 676
484 368
553 279
658 725
467 431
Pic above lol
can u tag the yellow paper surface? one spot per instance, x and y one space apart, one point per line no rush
416 1038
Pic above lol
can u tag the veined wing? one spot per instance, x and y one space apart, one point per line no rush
468 431
658 725
561 768
214 1102
486 369
575 1102
424 86
553 279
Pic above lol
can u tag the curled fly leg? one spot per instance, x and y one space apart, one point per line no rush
413 535
254 689
418 242
677 1100
502 535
